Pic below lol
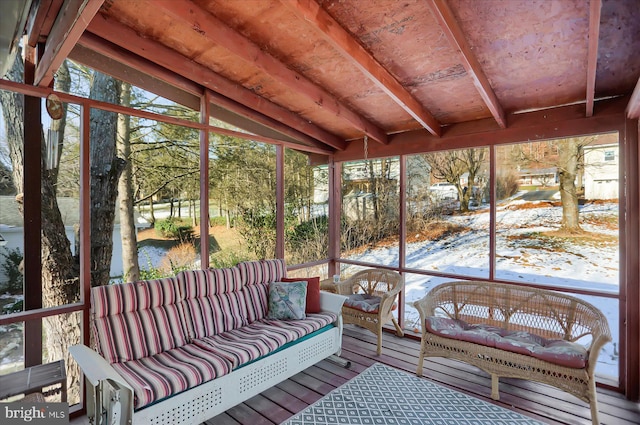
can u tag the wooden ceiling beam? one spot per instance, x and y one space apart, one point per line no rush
123 56
592 56
120 35
104 56
40 21
447 21
72 20
341 40
633 107
219 33
547 124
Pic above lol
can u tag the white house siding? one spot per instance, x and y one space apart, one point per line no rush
14 237
601 172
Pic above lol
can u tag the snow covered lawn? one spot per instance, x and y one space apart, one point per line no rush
524 252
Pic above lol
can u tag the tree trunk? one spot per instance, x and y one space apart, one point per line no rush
60 272
130 266
568 162
63 84
106 168
152 212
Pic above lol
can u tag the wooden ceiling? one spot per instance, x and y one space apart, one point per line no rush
323 73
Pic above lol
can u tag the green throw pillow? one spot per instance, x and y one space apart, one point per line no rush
287 300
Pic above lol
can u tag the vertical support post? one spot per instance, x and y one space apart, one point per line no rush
630 246
492 212
279 201
402 248
335 206
32 215
204 181
85 218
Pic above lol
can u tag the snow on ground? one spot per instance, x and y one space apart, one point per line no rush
533 259
150 257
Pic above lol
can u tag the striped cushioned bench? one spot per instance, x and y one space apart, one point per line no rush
165 349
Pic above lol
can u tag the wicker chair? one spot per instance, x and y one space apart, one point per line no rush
386 285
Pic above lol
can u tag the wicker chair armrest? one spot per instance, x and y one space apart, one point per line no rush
388 299
345 287
425 307
594 349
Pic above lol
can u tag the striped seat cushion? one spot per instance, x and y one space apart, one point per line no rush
162 375
213 301
299 328
136 320
260 338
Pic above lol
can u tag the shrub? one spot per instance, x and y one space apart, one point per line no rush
217 221
506 185
179 258
308 241
174 228
228 259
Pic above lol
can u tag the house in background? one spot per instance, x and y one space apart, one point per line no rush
601 170
12 229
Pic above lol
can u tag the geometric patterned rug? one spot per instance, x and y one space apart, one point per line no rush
384 395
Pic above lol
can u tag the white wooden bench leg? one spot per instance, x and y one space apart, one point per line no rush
495 387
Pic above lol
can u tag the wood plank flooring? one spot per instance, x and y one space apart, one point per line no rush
541 402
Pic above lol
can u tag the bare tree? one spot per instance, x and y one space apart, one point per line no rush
452 165
570 160
130 266
60 270
567 156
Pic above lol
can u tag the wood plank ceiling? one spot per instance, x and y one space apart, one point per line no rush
323 73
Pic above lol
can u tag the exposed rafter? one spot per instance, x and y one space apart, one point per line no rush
447 21
219 33
633 108
102 47
339 38
592 56
41 20
167 58
72 20
93 51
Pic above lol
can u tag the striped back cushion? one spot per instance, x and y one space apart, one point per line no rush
213 301
136 320
256 276
256 297
263 271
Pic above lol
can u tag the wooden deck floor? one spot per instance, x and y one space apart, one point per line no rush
541 402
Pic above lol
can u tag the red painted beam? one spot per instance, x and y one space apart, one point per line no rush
71 22
126 38
447 21
341 40
218 32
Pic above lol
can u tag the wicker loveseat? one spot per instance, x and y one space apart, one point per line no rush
371 298
181 350
515 332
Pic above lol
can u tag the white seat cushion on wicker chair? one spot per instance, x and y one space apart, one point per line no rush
363 302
